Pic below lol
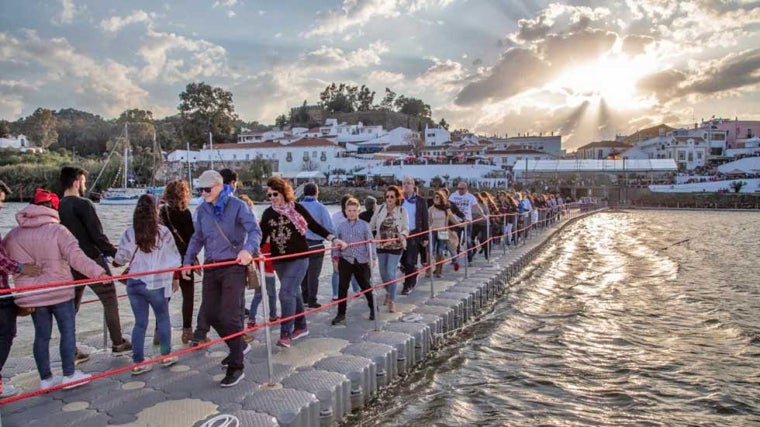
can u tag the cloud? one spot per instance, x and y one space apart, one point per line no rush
443 75
72 77
634 44
332 58
116 23
166 55
68 12
225 3
358 12
732 72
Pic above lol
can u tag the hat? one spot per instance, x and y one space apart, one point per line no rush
41 196
209 179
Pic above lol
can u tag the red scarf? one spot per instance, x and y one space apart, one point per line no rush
289 211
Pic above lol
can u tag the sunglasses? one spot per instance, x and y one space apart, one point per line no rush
273 194
205 189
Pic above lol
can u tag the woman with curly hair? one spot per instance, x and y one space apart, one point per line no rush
149 246
176 216
285 223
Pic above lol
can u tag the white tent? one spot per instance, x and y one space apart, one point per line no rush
593 165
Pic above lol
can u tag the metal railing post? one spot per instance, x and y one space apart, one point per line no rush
466 238
487 247
265 306
433 262
375 310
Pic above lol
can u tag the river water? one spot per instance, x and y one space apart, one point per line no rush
626 318
641 318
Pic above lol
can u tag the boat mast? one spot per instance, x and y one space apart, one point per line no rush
126 154
211 144
189 172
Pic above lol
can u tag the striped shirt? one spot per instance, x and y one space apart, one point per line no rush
350 232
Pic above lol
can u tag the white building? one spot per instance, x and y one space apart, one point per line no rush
600 150
549 144
183 156
436 136
20 143
255 137
509 157
345 133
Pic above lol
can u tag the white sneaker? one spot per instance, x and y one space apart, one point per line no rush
8 391
76 376
247 349
50 382
169 361
142 369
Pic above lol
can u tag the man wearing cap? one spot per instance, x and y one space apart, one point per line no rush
9 266
228 232
78 215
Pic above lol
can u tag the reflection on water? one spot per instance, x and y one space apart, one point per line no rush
626 319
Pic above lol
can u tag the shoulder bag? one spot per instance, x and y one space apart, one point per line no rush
251 274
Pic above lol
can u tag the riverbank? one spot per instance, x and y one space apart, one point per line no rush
318 381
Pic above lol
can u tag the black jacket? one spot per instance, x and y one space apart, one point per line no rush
421 218
180 223
79 216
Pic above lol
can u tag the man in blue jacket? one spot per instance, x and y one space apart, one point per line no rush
318 211
227 230
417 209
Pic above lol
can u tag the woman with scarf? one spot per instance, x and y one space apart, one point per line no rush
284 224
227 231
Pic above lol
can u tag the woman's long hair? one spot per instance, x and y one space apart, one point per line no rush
177 194
444 205
276 183
145 223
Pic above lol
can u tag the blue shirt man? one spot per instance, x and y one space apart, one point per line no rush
318 211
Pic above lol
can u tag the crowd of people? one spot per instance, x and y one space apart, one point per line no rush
62 240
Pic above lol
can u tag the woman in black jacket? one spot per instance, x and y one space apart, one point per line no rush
176 216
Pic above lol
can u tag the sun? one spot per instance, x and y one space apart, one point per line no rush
611 78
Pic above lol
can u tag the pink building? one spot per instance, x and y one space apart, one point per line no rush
737 129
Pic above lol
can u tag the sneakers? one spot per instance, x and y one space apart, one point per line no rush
314 305
233 377
338 319
274 318
76 376
169 361
54 380
299 333
195 343
372 315
284 341
122 348
8 390
142 369
406 291
250 325
187 335
80 357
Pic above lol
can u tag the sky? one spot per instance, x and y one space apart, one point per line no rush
588 70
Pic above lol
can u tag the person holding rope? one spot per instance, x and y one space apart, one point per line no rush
354 261
8 309
440 216
227 231
79 216
416 207
149 246
41 239
391 226
285 223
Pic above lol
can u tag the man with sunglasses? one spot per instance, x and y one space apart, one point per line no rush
228 232
416 207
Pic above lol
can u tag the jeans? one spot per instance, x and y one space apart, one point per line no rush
141 298
440 245
310 282
388 265
271 298
291 273
7 329
106 292
223 293
43 328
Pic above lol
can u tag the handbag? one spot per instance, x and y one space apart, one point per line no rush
24 311
251 273
443 234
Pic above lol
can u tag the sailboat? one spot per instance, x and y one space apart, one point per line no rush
125 195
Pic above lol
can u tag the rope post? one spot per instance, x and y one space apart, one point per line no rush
265 306
466 239
487 248
433 263
375 310
105 331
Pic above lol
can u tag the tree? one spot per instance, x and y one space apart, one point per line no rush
299 115
140 125
443 124
344 98
41 127
5 129
737 185
412 106
436 182
206 109
281 121
260 169
387 102
364 99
